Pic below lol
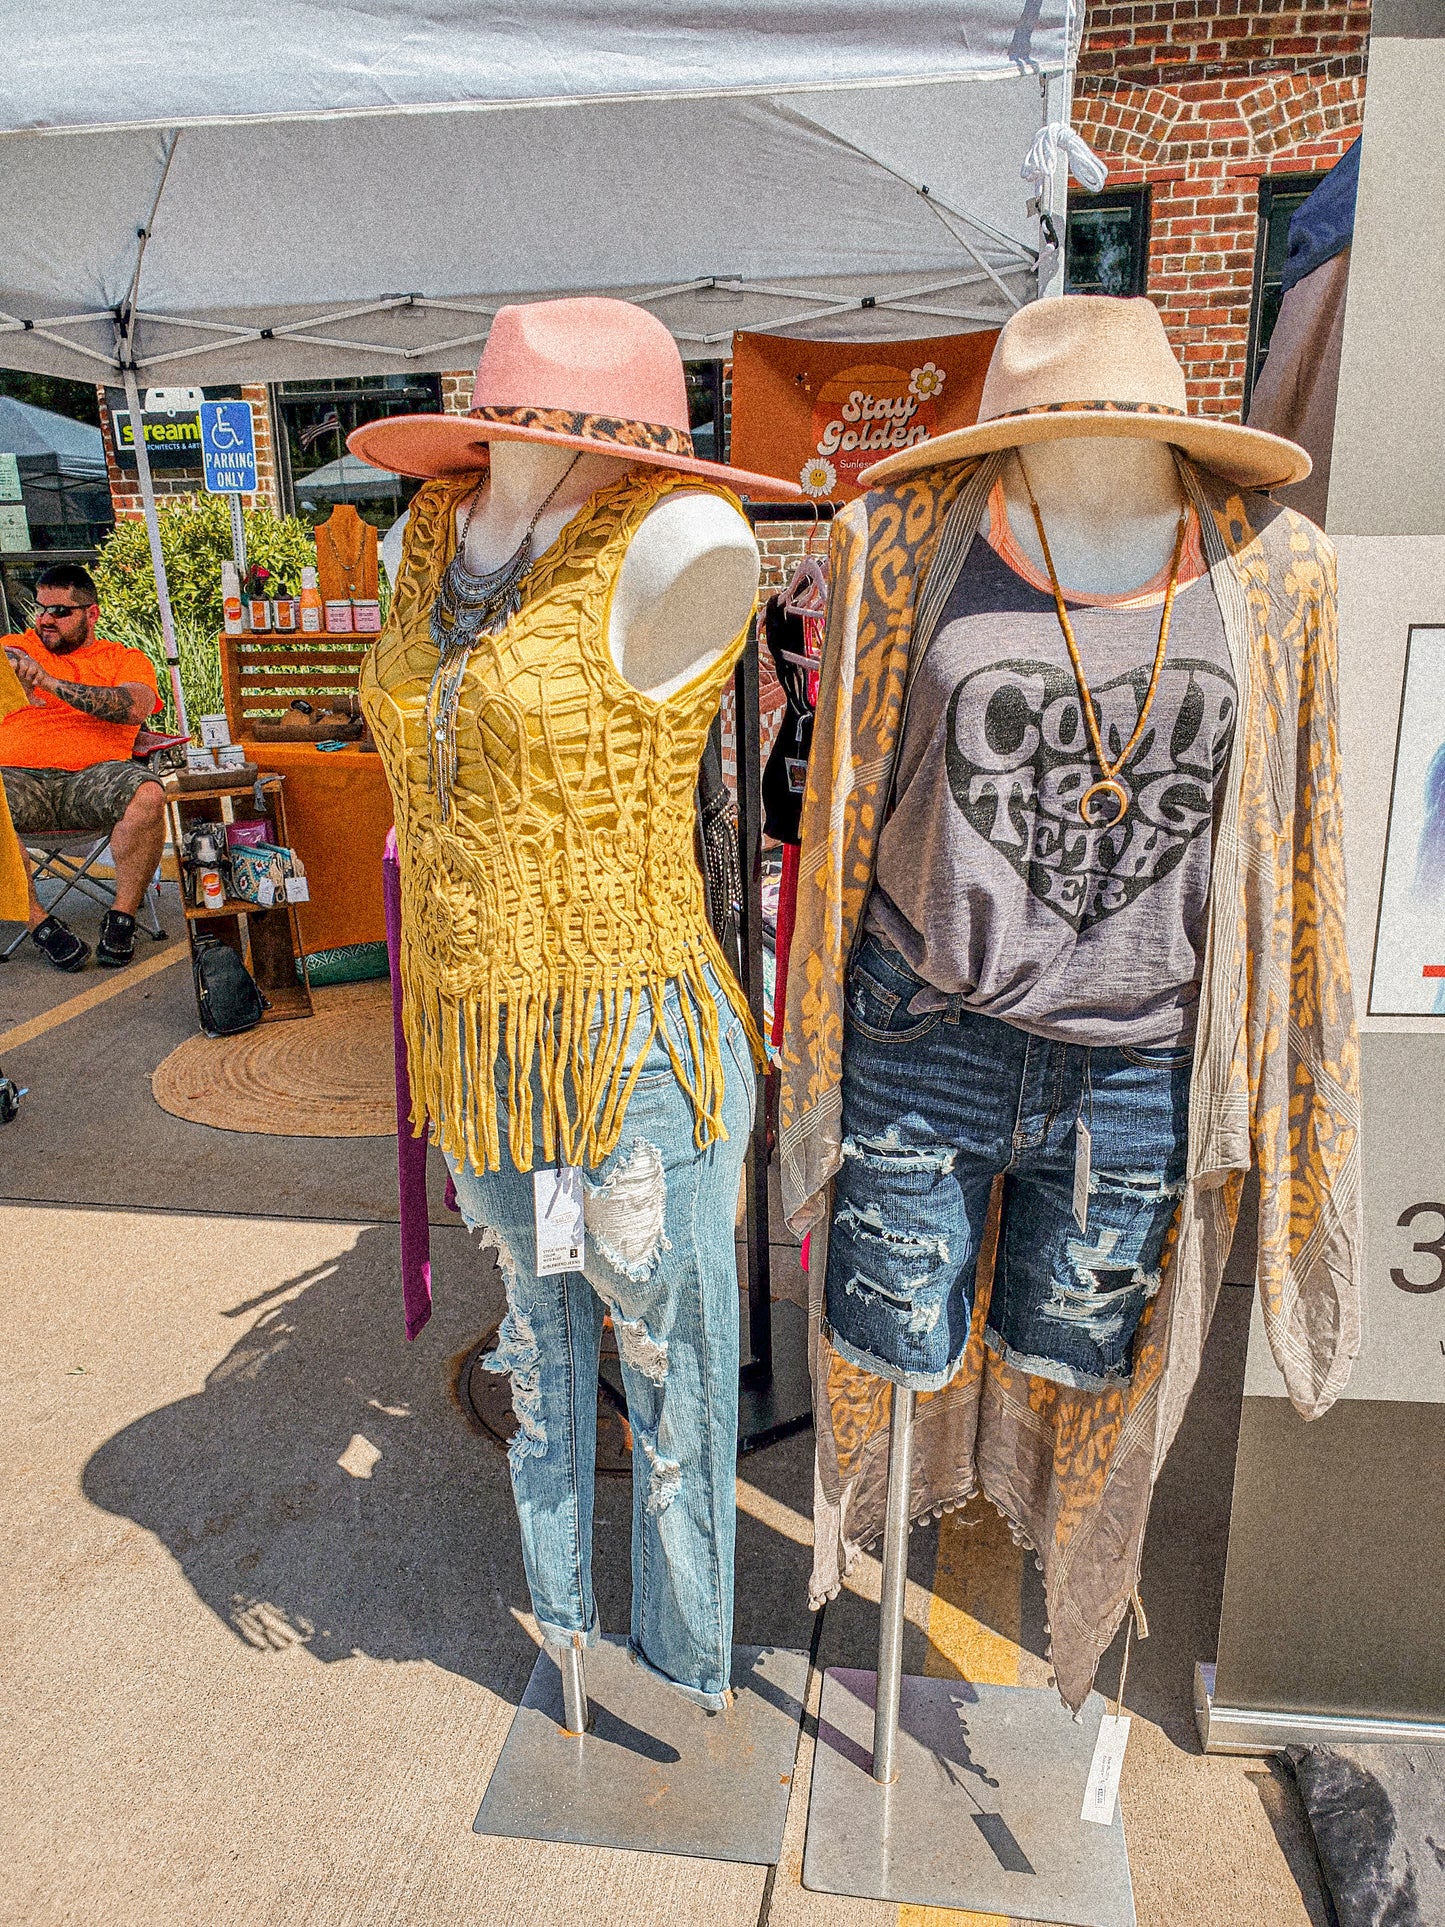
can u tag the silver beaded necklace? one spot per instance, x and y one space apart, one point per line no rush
467 606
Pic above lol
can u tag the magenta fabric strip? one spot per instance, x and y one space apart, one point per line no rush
410 1151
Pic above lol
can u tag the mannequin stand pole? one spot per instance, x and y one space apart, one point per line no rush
972 1798
775 1393
576 1714
895 1587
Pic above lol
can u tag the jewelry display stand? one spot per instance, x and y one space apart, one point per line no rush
945 1794
602 1753
346 556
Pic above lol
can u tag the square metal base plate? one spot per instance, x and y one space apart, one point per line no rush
655 1773
984 1814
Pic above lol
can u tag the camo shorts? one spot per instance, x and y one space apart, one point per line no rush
43 800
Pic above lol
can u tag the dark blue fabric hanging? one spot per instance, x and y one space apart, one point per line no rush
1321 227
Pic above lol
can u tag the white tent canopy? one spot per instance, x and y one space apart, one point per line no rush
266 190
344 192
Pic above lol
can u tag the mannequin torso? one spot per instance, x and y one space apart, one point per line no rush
1110 508
690 575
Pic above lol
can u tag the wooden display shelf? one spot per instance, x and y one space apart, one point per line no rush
285 1002
267 940
232 907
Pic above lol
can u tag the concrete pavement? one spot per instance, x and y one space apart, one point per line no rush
264 1620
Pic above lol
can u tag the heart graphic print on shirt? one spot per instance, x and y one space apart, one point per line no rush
1019 759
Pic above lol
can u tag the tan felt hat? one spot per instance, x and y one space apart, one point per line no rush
1090 364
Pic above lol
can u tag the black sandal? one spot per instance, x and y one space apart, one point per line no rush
61 945
117 939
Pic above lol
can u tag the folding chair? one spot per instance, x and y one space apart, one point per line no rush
68 857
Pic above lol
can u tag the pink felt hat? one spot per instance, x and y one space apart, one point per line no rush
585 372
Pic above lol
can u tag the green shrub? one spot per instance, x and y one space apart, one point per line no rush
195 541
200 656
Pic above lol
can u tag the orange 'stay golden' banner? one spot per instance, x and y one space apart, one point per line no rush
819 412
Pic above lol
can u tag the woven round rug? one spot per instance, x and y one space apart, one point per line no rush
328 1075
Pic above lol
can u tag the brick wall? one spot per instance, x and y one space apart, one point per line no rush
1202 99
457 391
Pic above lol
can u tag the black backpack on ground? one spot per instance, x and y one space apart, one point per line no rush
226 993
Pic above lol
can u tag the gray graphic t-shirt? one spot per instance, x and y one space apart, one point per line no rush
988 880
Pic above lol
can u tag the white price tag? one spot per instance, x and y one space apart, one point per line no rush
1083 1155
1102 1792
298 890
265 893
557 1209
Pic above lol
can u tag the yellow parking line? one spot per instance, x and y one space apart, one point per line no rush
115 982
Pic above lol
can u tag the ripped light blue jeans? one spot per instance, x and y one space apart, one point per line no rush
936 1105
659 1255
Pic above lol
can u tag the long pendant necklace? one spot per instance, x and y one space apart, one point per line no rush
352 568
469 605
1108 783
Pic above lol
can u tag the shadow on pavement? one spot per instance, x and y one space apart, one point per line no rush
409 1550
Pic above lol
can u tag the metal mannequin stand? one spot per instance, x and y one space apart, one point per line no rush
601 1753
775 1394
970 1795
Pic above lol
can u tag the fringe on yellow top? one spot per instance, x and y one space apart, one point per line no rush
565 884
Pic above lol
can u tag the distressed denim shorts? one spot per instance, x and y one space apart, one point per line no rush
660 1258
938 1104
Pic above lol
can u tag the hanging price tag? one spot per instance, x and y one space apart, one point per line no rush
265 893
1102 1791
1083 1154
557 1209
298 890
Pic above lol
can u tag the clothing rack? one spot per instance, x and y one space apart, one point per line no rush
775 1389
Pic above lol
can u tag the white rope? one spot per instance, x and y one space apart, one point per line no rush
1084 164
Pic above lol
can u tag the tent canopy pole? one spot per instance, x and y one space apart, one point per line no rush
153 530
125 340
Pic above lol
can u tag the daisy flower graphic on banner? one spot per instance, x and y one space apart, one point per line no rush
819 477
927 382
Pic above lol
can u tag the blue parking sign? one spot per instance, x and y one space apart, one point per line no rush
228 447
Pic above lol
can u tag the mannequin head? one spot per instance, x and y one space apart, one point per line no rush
1110 507
522 474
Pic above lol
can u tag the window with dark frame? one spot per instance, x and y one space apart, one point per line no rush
1278 199
705 409
1106 245
313 420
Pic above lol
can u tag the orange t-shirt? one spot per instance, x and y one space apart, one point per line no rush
55 736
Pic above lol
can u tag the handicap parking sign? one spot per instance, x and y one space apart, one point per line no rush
228 447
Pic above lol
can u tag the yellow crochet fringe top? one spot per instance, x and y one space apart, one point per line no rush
565 883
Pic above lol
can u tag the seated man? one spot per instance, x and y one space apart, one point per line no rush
66 760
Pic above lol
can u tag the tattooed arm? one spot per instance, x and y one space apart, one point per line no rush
127 702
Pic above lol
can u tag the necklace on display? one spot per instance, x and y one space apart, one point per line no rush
350 569
468 605
1109 783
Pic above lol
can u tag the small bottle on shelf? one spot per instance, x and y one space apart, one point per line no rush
311 604
231 598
